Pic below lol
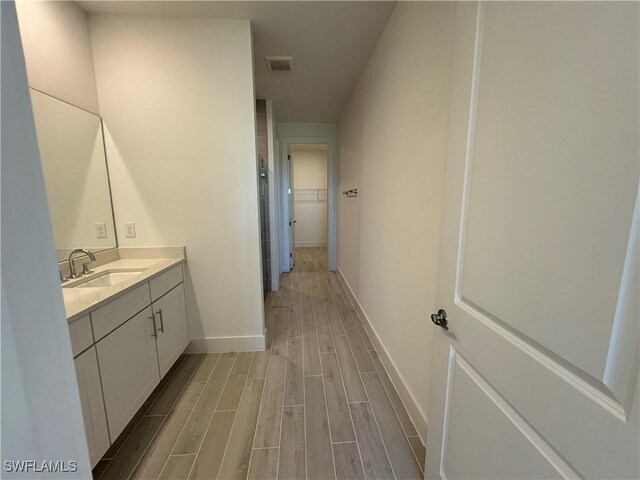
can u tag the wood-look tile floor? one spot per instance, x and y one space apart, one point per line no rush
316 405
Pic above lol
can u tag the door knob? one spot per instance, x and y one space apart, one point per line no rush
440 319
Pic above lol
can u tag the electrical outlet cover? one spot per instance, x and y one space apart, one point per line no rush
129 229
101 230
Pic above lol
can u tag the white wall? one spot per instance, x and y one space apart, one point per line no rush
310 173
55 37
176 96
41 414
310 167
393 139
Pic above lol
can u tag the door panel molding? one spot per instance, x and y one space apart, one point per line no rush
585 384
457 365
623 357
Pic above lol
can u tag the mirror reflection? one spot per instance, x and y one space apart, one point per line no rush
75 174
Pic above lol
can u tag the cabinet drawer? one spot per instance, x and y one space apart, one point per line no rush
112 315
165 282
80 334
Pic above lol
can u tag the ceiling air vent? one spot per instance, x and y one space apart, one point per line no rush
279 64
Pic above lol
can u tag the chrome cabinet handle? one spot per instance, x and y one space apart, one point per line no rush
440 319
161 321
155 330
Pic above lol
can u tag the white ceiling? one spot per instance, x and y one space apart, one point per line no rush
330 42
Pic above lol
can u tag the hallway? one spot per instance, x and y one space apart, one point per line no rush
316 404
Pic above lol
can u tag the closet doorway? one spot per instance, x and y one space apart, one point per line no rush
308 167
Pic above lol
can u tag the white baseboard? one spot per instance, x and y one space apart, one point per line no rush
226 344
410 403
310 244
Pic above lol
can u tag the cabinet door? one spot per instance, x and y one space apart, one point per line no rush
171 322
93 414
129 369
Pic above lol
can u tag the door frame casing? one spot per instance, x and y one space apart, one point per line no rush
273 145
283 201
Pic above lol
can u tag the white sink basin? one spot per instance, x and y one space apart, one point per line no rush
108 278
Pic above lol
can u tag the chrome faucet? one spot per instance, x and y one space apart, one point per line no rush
72 267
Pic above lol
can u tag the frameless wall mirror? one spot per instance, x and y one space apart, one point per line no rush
75 173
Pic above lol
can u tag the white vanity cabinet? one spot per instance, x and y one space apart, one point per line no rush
127 345
93 413
137 354
172 336
129 369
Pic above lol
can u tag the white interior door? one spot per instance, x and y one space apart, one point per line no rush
537 376
292 211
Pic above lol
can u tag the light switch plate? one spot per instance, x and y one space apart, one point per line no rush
101 230
129 229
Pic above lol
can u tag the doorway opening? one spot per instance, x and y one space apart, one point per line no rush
307 217
308 167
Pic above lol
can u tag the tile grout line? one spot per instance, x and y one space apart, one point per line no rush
344 389
373 414
194 407
326 314
284 383
235 417
375 419
165 419
395 410
304 408
206 431
190 413
255 432
326 405
188 418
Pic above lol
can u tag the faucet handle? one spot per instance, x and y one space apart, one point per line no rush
85 269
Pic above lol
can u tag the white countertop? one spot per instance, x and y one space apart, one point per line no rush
80 301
